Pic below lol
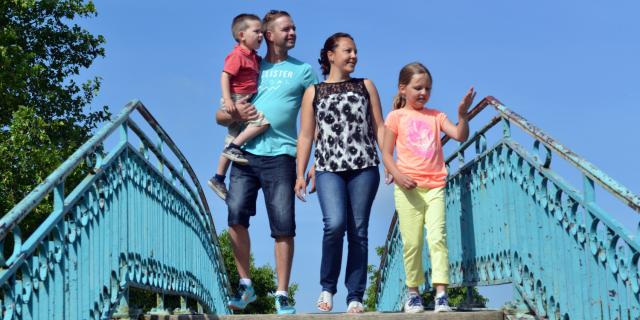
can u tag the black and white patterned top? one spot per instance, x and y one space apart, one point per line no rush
345 138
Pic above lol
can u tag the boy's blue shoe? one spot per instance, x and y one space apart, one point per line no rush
283 306
244 295
235 154
218 187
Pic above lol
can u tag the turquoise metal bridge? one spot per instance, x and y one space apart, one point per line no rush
512 219
129 223
140 219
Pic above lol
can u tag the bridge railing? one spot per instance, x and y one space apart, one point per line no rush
128 223
512 219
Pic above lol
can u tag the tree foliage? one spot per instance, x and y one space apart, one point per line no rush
456 295
263 279
42 106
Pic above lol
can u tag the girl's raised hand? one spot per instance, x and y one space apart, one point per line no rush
301 189
405 182
466 103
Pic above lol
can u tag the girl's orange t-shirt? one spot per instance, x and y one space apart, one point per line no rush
418 147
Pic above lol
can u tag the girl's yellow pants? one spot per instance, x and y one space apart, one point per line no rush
419 208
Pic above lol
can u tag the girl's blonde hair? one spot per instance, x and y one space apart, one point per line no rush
406 73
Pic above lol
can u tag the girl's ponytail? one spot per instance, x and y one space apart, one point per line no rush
398 102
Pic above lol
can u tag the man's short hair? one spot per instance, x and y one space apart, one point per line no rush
239 23
271 16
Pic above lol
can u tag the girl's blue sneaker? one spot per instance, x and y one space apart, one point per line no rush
442 303
283 306
244 295
413 304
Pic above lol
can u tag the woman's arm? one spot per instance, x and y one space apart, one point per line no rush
378 121
305 139
376 111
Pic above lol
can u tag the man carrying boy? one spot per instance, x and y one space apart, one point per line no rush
239 82
271 156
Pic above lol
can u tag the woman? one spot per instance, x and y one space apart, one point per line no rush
345 115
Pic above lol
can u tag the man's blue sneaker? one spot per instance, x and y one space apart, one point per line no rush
283 306
244 295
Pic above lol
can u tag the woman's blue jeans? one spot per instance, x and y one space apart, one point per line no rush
346 198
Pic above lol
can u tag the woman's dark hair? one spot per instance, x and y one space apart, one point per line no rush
329 45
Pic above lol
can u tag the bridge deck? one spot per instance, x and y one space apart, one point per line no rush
476 315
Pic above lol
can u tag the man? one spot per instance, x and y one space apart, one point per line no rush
283 80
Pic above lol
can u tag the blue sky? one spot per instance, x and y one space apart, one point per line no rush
569 67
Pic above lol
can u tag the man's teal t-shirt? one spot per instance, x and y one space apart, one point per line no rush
280 90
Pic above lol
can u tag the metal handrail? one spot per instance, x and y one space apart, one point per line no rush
28 203
587 168
183 160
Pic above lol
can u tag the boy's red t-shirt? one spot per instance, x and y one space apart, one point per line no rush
244 66
418 148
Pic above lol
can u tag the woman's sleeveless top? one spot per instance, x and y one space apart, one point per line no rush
344 127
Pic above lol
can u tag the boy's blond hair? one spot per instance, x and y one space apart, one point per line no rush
239 24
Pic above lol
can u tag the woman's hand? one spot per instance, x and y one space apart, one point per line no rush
388 177
301 189
311 178
405 181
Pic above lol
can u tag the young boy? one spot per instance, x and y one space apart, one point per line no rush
239 81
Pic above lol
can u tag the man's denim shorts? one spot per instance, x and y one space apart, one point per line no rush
276 175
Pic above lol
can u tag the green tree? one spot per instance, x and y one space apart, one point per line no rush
263 279
456 295
42 106
370 300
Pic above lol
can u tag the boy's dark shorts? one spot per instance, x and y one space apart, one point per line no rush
276 175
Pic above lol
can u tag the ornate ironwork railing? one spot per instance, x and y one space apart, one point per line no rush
511 219
129 223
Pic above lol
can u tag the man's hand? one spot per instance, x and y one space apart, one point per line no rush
244 111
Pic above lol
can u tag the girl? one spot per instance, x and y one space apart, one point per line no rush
420 175
346 112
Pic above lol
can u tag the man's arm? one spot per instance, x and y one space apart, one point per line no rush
244 112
